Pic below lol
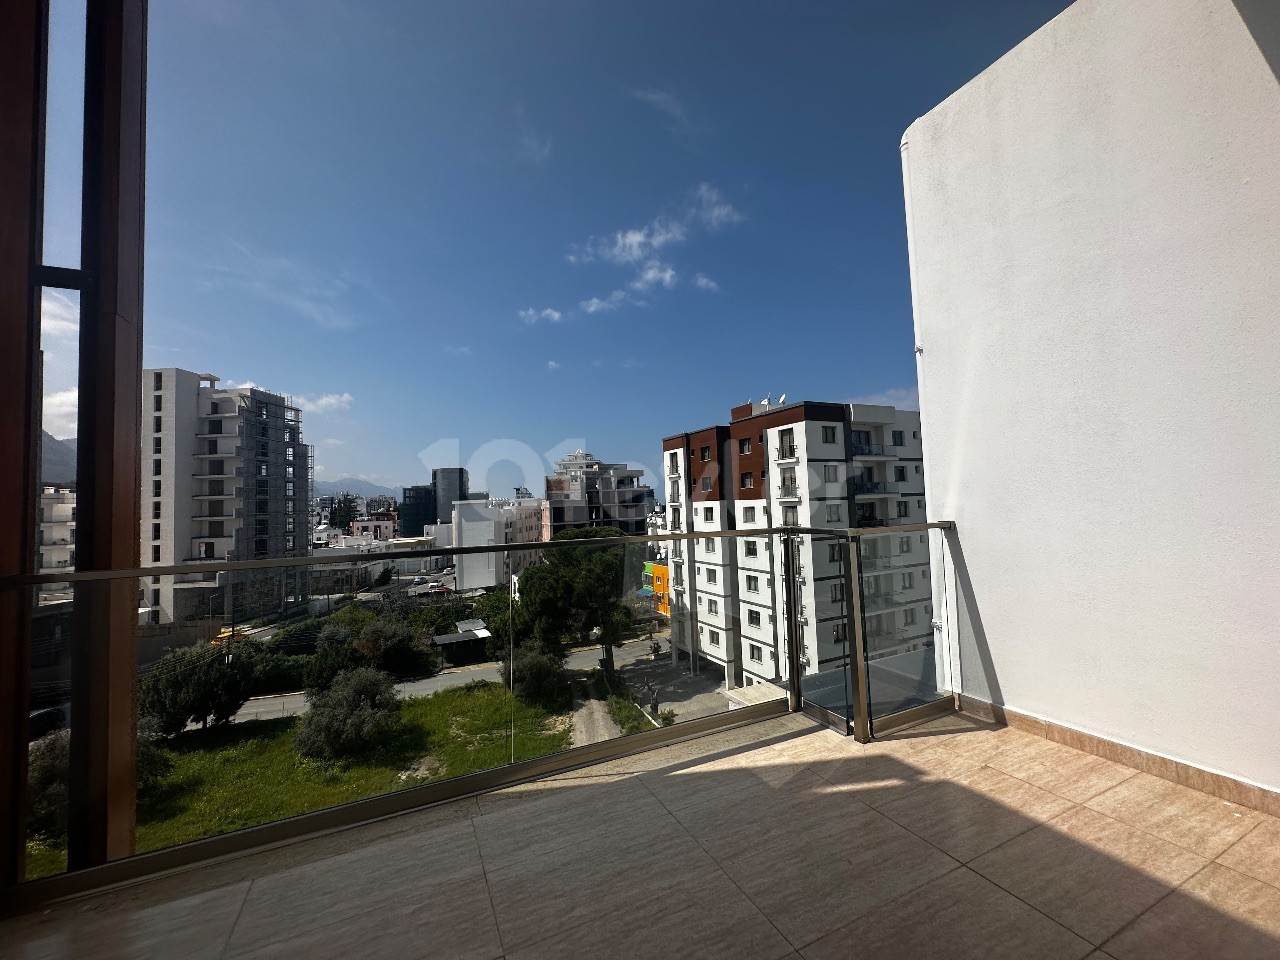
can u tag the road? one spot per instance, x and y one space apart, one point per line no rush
292 704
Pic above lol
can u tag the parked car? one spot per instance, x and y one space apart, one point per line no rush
418 581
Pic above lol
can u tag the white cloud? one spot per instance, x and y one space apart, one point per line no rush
712 210
326 403
703 282
533 316
904 398
331 442
653 274
532 148
59 318
664 101
596 305
552 365
59 413
237 385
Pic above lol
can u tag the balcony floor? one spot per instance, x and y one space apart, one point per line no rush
957 839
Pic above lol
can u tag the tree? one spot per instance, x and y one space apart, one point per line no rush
196 684
358 714
344 511
335 653
48 767
536 674
383 578
597 578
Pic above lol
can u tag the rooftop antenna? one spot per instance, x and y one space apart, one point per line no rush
782 399
765 401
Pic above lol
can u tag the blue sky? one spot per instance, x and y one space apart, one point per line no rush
553 223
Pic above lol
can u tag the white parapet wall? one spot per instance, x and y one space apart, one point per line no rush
1094 228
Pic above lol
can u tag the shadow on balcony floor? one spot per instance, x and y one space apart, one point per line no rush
956 839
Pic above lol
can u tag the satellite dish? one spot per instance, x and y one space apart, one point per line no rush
782 399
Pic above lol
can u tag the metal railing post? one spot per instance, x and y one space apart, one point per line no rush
860 696
792 607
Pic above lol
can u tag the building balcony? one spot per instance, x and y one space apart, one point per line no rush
789 491
235 493
874 488
787 451
871 451
955 832
236 453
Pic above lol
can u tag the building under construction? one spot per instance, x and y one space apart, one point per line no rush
225 476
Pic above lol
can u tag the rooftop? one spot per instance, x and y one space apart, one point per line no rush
957 838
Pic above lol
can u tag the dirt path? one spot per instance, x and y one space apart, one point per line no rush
591 720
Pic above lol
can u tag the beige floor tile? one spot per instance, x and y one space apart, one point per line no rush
721 777
975 813
557 787
1090 873
762 816
713 921
1257 854
1069 773
829 876
533 829
451 921
960 916
1197 821
1217 915
534 899
356 883
195 927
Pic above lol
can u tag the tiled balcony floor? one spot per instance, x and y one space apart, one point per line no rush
953 840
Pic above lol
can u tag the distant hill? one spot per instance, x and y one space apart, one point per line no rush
57 460
362 488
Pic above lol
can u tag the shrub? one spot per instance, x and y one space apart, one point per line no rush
48 765
536 674
334 654
153 762
358 714
276 672
383 578
667 717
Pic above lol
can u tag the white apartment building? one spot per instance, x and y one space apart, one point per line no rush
490 523
225 476
56 537
809 465
587 492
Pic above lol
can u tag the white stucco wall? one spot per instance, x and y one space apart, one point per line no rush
1094 226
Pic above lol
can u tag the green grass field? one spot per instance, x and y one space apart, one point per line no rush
244 774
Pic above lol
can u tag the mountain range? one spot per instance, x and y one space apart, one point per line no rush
57 460
362 488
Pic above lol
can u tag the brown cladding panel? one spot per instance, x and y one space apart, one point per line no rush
715 438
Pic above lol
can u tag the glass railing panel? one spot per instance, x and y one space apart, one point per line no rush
897 604
822 595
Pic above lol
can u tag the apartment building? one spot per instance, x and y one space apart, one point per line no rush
587 492
56 536
494 522
225 476
816 466
417 509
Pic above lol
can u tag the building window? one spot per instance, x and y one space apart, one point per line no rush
155 510
157 403
155 445
288 543
756 652
828 434
753 618
708 545
753 584
673 462
751 548
904 544
923 537
155 531
835 591
713 605
155 554
711 574
155 488
919 469
908 580
156 423
157 381
744 445
904 508
790 517
705 454
900 474
909 617
262 469
709 514
915 434
831 473
288 489
834 512
748 514
787 443
706 484
840 632
833 553
897 438
714 638
748 481
155 468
